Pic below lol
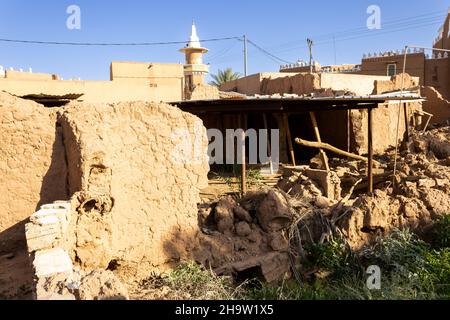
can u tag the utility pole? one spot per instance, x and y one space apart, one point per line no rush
310 44
245 55
334 47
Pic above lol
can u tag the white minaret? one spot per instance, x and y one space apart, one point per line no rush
194 40
194 69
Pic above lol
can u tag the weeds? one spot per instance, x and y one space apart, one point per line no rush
441 232
230 174
411 269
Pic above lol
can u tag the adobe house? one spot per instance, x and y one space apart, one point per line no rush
433 71
343 129
129 81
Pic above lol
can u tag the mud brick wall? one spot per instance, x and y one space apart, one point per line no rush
121 166
32 164
134 195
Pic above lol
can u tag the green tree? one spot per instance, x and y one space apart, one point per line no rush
223 76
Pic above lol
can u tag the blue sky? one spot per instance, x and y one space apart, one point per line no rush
280 27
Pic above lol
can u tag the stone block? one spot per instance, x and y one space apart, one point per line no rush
42 236
53 261
328 181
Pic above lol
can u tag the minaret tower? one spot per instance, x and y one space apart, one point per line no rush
194 69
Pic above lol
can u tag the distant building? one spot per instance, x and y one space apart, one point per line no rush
129 81
432 68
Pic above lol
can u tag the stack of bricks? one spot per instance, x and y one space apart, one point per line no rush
46 234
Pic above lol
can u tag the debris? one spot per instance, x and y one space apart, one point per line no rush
274 212
322 145
101 285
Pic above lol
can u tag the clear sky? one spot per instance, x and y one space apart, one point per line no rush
280 27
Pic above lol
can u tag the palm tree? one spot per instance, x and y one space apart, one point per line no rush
223 76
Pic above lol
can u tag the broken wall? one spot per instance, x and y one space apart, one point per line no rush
334 127
32 164
135 193
436 104
132 172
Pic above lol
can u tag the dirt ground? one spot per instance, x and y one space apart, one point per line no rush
16 275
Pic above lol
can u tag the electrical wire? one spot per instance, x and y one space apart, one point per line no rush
391 27
109 44
267 53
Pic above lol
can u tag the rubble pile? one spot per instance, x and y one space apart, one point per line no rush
253 237
419 194
246 238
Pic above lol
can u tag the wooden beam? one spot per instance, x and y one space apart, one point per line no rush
370 151
289 137
268 143
313 144
317 133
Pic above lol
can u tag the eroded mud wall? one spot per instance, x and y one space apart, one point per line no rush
32 164
136 194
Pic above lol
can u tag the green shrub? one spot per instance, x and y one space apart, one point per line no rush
441 232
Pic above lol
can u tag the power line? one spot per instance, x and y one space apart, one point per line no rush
110 44
389 23
274 57
369 33
219 54
391 26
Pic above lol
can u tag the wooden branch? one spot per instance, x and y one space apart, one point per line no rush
323 145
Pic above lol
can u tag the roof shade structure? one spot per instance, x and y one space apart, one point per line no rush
257 104
294 104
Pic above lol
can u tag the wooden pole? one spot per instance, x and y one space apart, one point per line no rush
268 143
322 145
370 151
289 137
243 121
348 131
405 112
317 133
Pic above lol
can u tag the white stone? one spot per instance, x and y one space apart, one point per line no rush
57 205
48 220
51 262
41 236
47 214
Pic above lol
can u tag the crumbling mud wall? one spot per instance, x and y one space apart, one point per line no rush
302 83
203 92
111 186
384 117
32 164
436 104
134 190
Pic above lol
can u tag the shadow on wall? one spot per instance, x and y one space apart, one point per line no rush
55 182
15 271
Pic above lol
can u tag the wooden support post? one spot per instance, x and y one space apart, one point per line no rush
243 122
317 133
348 130
405 112
268 143
370 151
289 137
